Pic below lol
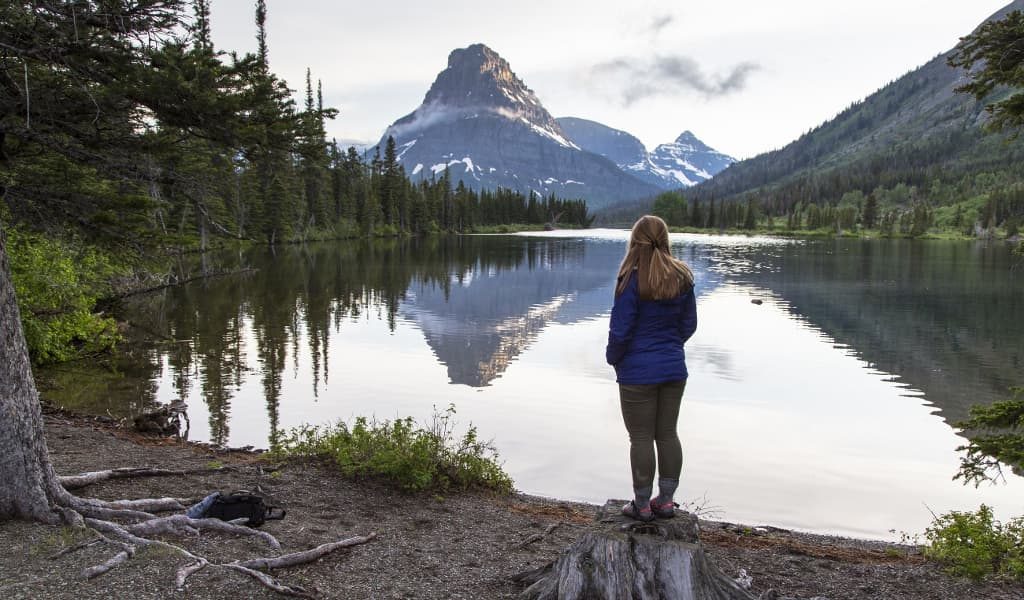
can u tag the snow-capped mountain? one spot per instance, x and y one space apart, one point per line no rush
482 123
685 162
362 146
688 160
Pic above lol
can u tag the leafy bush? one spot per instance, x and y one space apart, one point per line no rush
413 457
974 544
57 283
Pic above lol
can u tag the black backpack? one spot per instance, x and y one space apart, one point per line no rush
243 505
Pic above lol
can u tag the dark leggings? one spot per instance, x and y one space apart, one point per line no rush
650 413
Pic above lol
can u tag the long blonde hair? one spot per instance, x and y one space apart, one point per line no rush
659 274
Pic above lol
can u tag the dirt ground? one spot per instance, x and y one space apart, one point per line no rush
466 545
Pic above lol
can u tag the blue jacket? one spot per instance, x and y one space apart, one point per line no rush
646 337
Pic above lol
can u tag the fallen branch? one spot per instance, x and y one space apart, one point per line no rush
74 482
270 582
306 556
75 548
97 570
176 282
539 536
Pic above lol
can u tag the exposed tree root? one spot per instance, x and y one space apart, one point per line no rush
74 482
138 525
127 539
250 567
99 512
177 523
148 505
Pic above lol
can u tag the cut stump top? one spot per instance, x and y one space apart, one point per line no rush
681 528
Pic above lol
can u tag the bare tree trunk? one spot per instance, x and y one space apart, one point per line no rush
30 487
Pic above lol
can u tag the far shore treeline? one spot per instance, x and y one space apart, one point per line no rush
123 121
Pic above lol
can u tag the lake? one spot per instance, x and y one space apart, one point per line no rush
828 407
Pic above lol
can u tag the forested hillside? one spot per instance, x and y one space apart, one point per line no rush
915 144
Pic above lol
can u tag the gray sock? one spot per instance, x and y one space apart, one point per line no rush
666 489
642 498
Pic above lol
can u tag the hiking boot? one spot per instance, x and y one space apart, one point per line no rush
640 514
666 510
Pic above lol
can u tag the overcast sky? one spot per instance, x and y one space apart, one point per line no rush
746 76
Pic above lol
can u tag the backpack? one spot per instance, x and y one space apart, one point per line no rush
242 505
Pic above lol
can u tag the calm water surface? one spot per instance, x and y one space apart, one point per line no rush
828 407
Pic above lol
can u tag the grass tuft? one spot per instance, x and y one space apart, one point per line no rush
413 457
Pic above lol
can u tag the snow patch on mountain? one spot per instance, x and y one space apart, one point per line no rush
685 162
405 148
470 167
548 133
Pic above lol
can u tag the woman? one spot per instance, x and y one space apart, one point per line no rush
655 312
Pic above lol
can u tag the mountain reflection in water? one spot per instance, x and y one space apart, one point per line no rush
511 329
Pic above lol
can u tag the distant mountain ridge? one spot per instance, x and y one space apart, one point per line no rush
482 123
915 130
682 163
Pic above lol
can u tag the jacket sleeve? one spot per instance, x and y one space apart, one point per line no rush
688 318
620 329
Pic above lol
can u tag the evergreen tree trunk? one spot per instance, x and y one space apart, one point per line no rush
30 487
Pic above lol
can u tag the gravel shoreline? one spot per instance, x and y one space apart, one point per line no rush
464 545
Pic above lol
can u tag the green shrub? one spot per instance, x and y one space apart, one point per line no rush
974 544
57 283
413 457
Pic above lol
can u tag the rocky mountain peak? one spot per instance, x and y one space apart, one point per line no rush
477 77
687 138
478 81
481 124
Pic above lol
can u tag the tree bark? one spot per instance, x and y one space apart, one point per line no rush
30 489
623 558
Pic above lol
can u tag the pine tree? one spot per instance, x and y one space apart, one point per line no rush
995 46
870 214
261 35
750 216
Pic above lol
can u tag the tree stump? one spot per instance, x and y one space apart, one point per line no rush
623 558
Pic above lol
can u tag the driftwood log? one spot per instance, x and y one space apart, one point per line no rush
622 558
